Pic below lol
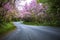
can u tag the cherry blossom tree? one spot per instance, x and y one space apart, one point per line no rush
31 9
6 11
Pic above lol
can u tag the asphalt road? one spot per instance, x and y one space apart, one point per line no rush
28 32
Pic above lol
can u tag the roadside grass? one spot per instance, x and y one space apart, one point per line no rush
41 24
34 23
6 28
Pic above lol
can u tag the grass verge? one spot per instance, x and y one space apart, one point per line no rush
32 23
6 28
40 24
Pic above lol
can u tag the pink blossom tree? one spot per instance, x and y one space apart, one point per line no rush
33 9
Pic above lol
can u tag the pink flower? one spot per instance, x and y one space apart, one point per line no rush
7 6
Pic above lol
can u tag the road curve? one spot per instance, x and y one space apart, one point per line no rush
28 32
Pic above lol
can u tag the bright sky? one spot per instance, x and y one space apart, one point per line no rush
21 3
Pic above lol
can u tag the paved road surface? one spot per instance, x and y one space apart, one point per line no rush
28 32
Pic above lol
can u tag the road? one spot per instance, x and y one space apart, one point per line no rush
28 32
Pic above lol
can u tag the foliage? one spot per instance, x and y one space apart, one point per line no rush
33 11
41 11
7 12
6 27
54 11
42 1
38 24
49 17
